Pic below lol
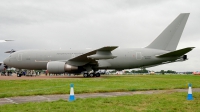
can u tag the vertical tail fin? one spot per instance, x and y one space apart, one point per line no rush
169 38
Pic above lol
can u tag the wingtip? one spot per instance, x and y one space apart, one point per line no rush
9 40
185 13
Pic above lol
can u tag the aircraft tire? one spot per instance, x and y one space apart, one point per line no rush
18 75
98 75
91 75
85 75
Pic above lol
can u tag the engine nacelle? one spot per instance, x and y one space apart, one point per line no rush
2 67
60 67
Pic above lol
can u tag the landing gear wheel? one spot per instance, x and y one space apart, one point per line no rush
98 75
18 75
91 74
85 75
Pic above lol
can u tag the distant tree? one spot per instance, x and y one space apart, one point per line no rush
133 71
126 72
140 71
162 72
113 71
170 71
144 71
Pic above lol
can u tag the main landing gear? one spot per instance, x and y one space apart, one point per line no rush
91 74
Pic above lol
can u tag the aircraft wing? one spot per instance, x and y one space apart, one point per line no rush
102 53
176 53
11 51
5 40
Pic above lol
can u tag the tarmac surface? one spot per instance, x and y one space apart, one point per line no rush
14 77
49 98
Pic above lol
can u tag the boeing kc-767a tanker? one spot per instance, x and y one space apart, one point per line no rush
161 51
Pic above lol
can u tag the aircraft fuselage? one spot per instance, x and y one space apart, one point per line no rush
127 58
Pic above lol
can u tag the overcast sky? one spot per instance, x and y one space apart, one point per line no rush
77 24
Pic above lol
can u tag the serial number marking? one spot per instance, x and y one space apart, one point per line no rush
147 57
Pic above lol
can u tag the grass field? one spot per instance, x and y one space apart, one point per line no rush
10 88
175 102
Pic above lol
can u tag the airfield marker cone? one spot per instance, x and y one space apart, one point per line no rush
189 97
71 96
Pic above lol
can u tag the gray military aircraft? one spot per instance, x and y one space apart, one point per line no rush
161 51
2 66
5 40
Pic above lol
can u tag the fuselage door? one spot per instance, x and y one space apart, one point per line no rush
138 55
19 57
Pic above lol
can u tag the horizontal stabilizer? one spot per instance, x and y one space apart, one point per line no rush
176 53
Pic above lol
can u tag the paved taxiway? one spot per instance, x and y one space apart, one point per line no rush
14 77
42 98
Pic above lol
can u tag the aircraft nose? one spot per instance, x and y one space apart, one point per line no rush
6 61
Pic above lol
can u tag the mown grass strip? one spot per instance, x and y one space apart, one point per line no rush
10 88
146 103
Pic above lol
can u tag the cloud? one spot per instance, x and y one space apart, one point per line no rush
49 24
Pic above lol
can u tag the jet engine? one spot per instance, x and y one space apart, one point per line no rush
60 67
3 66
